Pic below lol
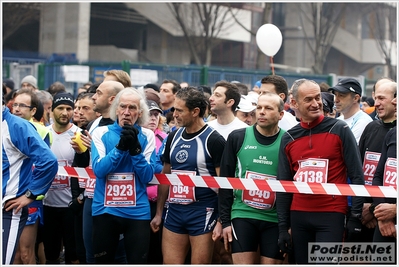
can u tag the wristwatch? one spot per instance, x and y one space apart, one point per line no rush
80 197
30 195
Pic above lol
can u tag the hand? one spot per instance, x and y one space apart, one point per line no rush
387 228
76 206
385 211
123 143
217 232
354 228
17 203
74 145
86 139
367 216
284 242
134 144
155 223
127 138
371 224
227 238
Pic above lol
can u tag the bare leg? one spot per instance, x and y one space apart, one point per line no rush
201 248
174 247
26 245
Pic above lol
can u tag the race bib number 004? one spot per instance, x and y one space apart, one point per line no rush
182 194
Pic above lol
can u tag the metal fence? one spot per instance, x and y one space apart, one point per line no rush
48 73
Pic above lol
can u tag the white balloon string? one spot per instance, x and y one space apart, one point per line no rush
272 64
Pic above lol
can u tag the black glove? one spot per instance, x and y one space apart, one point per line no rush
284 242
126 138
134 144
123 143
354 228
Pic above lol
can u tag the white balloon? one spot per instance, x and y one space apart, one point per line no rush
269 39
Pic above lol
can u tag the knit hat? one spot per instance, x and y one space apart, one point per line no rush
63 99
31 80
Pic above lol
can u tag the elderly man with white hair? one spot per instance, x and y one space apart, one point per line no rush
122 155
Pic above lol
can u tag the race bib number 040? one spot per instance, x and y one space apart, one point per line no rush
259 199
60 181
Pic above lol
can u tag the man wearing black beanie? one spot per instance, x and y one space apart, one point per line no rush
63 98
58 197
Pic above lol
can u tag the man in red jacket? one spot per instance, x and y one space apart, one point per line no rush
317 150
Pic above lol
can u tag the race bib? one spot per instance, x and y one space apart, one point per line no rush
312 171
89 187
370 165
259 199
82 182
120 190
60 181
390 172
182 194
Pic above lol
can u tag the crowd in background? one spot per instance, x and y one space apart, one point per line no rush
127 134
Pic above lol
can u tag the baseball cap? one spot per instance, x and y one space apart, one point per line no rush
347 85
245 105
252 97
152 105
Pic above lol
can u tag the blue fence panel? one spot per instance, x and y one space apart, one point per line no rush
188 73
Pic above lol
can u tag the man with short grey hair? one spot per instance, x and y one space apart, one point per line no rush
348 93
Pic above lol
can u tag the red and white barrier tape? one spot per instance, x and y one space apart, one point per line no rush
251 184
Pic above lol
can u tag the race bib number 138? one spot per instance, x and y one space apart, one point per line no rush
312 171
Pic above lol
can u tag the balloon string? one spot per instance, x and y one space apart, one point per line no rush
271 63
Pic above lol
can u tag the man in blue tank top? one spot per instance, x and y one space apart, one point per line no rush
194 149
